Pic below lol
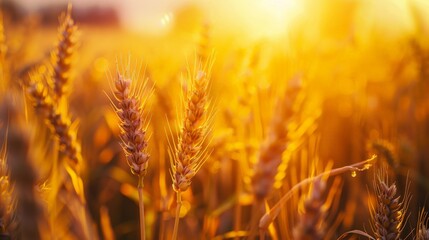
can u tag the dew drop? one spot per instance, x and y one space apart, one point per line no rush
353 173
367 166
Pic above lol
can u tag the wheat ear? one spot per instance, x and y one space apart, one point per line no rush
189 154
129 109
422 231
388 214
59 122
385 149
275 143
63 54
311 221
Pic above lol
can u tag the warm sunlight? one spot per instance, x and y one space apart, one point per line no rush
214 119
257 18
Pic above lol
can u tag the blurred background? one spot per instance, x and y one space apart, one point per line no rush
364 65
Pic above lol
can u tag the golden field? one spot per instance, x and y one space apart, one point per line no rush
217 126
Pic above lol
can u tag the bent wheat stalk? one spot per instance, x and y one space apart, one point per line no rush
271 215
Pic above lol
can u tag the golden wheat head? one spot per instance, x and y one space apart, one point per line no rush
189 153
389 213
129 109
55 118
275 143
63 54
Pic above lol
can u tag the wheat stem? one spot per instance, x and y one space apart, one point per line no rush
133 133
141 209
177 217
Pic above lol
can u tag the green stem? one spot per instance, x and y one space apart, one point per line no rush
176 220
141 209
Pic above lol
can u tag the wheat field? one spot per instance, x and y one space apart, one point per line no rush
216 124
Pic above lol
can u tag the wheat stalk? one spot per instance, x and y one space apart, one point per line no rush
133 133
130 112
63 54
58 121
311 221
271 215
271 150
28 222
388 214
189 154
275 143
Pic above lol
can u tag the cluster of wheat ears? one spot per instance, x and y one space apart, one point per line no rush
36 123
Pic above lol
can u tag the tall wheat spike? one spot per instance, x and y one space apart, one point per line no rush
189 153
132 122
129 109
63 55
68 192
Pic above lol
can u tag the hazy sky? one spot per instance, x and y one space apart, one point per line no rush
247 15
240 14
132 12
